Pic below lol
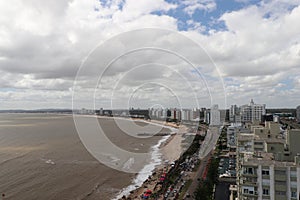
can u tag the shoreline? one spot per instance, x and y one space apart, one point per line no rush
170 150
148 170
167 150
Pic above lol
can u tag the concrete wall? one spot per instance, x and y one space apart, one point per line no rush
293 142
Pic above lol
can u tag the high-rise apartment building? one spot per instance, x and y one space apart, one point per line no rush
252 112
215 116
298 114
261 177
234 114
268 164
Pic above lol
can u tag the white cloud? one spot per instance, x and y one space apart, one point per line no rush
192 5
43 43
196 26
256 45
257 51
133 9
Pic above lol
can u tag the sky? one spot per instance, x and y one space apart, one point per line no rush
149 53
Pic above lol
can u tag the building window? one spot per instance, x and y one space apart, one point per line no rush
265 172
248 190
248 170
293 174
294 194
293 184
265 191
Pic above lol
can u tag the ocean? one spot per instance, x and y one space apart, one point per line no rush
42 157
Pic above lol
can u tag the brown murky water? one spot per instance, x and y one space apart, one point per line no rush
42 157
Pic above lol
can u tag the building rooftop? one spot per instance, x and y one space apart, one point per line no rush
275 140
246 136
265 159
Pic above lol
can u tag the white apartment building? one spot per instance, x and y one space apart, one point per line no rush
268 165
233 131
298 114
252 112
215 116
260 177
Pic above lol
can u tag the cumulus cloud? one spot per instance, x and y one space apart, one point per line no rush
260 48
42 45
193 5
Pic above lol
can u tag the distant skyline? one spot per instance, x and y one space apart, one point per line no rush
254 47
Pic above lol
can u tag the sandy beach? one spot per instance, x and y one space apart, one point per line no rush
170 151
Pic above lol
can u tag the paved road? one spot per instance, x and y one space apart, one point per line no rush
205 154
210 141
199 173
222 191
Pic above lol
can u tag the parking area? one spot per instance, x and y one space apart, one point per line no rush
186 173
227 167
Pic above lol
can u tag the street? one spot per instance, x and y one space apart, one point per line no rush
222 191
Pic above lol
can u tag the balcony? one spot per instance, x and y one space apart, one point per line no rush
265 176
280 187
249 174
249 183
280 177
250 194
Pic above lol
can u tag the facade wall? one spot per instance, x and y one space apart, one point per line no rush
293 142
252 112
298 113
215 116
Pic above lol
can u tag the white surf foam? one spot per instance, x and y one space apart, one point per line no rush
156 158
